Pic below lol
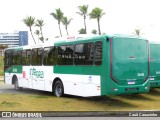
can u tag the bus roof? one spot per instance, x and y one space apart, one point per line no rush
72 39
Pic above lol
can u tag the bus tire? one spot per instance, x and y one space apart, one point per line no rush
58 89
16 86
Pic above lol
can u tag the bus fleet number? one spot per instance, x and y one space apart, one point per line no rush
140 74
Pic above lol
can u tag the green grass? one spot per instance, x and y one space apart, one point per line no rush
1 65
43 101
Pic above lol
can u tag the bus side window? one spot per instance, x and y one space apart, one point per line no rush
49 57
65 55
53 58
45 56
34 56
26 57
16 58
7 57
23 57
39 56
84 54
98 53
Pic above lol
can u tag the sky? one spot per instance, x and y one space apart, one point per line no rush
121 16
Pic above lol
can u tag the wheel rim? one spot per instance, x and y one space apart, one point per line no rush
58 90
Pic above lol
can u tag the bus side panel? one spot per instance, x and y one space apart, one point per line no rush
11 71
38 77
81 85
105 67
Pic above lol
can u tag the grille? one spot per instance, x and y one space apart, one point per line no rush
132 89
154 83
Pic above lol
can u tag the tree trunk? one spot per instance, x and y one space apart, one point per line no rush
99 27
85 25
60 29
67 31
42 34
32 35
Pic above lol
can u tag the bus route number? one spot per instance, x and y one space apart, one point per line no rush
14 69
140 74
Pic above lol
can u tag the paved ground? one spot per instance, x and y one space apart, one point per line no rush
5 88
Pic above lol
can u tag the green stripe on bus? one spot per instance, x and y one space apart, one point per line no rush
14 69
81 70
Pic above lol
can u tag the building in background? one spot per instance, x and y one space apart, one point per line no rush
14 39
23 38
18 38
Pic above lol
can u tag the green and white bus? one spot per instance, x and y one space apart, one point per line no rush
154 65
84 66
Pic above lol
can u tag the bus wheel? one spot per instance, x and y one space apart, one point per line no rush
16 86
58 89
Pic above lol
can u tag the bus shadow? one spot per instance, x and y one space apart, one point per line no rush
104 100
139 97
154 91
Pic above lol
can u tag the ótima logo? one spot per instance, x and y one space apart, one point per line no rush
38 74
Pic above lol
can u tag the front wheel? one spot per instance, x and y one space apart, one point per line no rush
16 86
58 89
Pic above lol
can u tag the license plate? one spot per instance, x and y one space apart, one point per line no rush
131 82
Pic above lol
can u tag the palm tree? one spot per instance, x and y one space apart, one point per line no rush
83 12
40 24
82 31
66 22
137 31
29 21
97 13
58 15
37 32
94 31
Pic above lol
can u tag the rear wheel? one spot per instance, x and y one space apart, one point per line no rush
16 86
58 89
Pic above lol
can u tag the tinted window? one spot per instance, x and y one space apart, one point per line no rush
7 60
98 53
16 58
84 54
49 57
26 54
37 56
65 55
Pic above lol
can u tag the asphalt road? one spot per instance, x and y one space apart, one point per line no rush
9 89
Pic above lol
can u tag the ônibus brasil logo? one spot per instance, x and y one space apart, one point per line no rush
38 74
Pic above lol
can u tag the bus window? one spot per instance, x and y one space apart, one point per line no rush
98 53
84 54
49 57
26 57
65 55
16 58
37 56
7 60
